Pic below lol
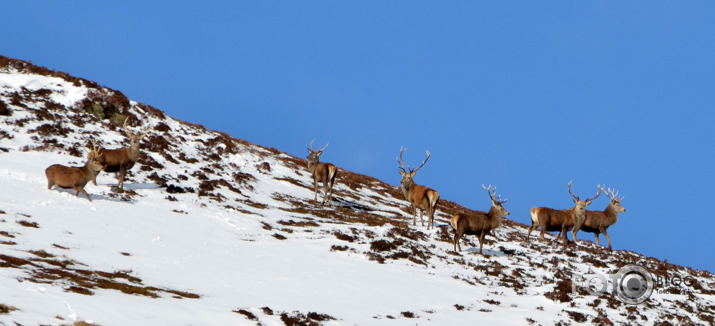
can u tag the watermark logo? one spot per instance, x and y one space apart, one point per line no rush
632 284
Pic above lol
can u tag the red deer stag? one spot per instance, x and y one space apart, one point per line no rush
321 172
597 222
74 177
121 159
420 197
479 223
562 220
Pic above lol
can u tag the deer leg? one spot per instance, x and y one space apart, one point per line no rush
325 191
602 229
573 232
86 194
481 242
596 234
565 238
414 215
422 219
120 183
431 216
543 222
430 220
457 236
330 191
532 228
315 188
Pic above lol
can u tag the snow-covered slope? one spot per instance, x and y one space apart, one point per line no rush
213 230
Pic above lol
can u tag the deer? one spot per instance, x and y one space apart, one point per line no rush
120 160
74 177
562 220
321 172
479 223
597 222
420 197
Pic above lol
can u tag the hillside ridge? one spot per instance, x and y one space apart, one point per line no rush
260 200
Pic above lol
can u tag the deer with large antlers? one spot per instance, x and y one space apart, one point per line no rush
321 172
120 160
562 220
597 222
420 197
74 177
479 223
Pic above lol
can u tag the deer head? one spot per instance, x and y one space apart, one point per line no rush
406 172
94 155
615 203
314 156
581 204
496 201
135 138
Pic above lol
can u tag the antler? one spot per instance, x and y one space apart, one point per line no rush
598 194
589 199
423 163
320 150
130 133
95 148
493 196
403 169
610 193
574 196
400 161
126 128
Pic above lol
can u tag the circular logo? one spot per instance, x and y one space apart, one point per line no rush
635 284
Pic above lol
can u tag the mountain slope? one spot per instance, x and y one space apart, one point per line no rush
215 230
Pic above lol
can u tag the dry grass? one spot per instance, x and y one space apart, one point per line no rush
350 207
28 224
298 223
298 318
46 270
84 323
247 314
5 309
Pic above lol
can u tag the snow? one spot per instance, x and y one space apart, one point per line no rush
226 251
63 92
208 251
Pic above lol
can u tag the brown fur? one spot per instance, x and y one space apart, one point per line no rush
598 222
420 197
561 220
321 172
478 223
120 160
73 177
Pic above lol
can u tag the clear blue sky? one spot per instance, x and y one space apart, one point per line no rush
522 95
